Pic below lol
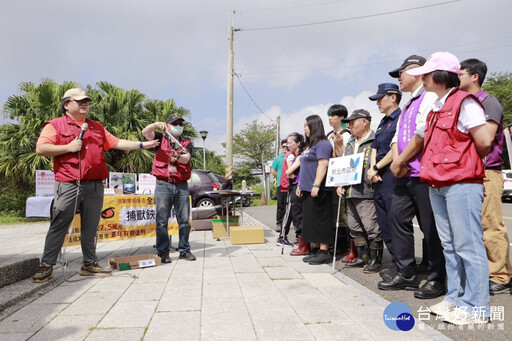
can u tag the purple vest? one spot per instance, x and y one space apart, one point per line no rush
406 131
493 160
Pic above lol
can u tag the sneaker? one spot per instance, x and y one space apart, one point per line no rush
322 257
94 269
495 288
441 308
461 317
280 242
187 256
164 257
43 274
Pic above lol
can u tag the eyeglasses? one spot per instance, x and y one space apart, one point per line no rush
177 124
463 74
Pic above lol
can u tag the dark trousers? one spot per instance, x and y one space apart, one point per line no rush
382 195
295 215
90 203
411 198
281 206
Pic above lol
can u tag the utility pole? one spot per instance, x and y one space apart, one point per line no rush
229 115
278 134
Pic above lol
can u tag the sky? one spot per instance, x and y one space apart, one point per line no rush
294 57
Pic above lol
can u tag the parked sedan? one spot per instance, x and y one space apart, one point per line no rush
507 185
225 183
200 182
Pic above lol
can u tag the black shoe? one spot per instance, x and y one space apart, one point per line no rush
187 256
311 255
164 257
387 274
321 257
431 289
399 282
495 288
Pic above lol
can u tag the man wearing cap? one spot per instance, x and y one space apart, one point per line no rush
361 214
472 75
410 196
339 137
76 144
388 98
456 139
171 167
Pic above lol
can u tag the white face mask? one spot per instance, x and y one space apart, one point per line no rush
176 130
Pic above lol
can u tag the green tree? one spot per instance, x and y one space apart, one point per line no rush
500 86
124 113
255 144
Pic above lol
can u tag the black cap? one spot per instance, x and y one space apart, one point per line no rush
359 113
174 117
411 60
386 89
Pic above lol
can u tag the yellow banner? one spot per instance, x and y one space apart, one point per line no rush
125 217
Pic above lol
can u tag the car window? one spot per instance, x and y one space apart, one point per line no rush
213 176
194 178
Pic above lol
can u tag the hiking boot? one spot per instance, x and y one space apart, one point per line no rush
164 257
94 269
43 274
187 256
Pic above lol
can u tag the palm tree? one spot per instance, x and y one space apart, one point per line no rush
124 113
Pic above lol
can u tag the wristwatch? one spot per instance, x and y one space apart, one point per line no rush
375 168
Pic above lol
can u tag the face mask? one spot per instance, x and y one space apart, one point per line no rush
176 130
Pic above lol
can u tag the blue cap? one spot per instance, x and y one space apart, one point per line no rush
386 89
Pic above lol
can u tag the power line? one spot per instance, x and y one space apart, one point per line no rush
252 99
348 19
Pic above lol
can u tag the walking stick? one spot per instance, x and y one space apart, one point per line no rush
336 236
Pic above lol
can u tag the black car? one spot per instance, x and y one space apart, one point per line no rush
225 183
200 182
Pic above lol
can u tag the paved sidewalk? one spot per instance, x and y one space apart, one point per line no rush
232 292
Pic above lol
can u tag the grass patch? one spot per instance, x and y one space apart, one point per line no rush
9 219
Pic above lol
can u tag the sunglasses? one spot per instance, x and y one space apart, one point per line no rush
177 124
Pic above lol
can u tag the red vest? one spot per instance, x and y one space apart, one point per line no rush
285 181
449 156
162 162
93 166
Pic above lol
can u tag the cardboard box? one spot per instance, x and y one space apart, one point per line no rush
247 234
134 262
219 225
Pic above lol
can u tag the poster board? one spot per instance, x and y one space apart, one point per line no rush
45 180
345 170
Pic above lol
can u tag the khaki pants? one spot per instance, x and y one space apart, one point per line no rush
495 232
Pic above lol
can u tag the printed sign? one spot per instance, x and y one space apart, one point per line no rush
147 183
44 183
345 170
125 217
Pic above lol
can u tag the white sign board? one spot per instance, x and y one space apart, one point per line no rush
44 183
147 183
345 170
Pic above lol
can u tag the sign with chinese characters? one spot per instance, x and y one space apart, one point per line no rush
345 170
44 183
147 183
125 217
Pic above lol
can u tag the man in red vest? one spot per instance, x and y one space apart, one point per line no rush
77 145
171 167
